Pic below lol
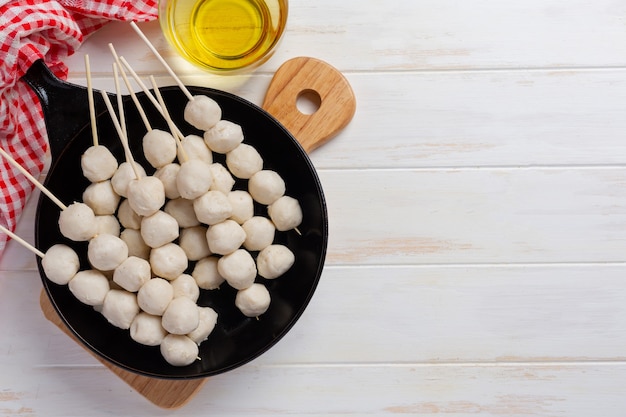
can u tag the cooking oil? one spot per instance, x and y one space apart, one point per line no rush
224 35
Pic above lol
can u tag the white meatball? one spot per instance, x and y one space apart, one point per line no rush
274 261
78 222
89 287
127 217
180 316
225 237
158 229
168 261
107 252
186 286
194 178
146 195
222 179
147 329
120 308
60 264
108 225
207 321
202 112
266 186
155 295
136 246
195 148
244 161
194 243
132 273
242 204
168 174
286 213
124 175
182 210
253 301
101 197
159 147
224 136
212 207
179 350
98 163
260 233
206 275
238 269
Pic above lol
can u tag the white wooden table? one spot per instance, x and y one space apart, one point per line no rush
477 204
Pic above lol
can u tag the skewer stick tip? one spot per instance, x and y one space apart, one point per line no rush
133 96
32 179
92 110
146 91
163 62
168 119
120 132
22 242
120 101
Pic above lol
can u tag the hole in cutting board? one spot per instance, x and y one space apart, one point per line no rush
308 101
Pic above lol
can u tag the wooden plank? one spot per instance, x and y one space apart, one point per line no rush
457 119
445 315
485 119
464 314
425 35
518 390
475 216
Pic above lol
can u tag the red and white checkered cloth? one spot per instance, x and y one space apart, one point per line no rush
31 30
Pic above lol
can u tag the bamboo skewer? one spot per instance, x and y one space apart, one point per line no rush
160 58
132 93
33 179
141 84
92 110
146 91
22 242
168 119
124 139
120 102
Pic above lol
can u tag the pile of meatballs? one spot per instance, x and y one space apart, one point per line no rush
145 231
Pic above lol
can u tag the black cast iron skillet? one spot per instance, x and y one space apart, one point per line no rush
236 339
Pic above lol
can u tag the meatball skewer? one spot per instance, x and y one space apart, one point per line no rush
201 111
159 147
97 162
195 146
194 177
76 221
145 90
60 262
146 194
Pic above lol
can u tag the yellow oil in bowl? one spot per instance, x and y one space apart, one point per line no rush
224 35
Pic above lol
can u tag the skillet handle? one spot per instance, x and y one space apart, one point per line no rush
304 75
65 105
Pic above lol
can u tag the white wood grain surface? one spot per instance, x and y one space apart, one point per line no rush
477 208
